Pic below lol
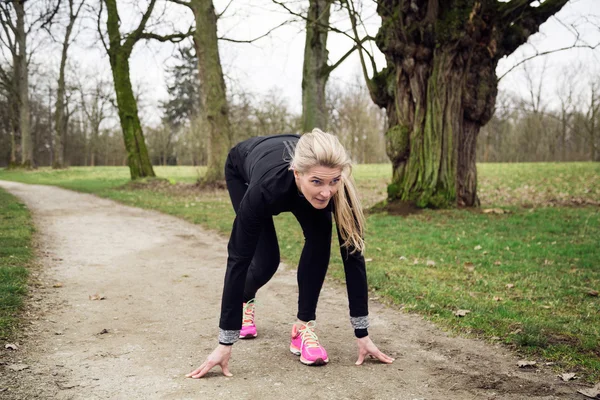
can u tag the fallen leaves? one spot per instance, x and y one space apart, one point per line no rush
495 211
57 285
567 376
593 293
461 313
526 364
11 346
97 297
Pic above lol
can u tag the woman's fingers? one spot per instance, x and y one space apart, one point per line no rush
204 370
361 358
384 358
196 371
225 368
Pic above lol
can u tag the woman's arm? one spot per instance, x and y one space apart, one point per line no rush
358 299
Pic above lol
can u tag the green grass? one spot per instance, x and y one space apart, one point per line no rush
15 256
526 275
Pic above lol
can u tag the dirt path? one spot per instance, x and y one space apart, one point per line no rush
162 279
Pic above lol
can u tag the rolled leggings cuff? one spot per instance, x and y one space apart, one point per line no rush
360 325
227 337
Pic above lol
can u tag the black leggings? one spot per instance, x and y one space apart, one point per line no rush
316 226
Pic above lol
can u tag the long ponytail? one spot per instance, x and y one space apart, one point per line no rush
318 148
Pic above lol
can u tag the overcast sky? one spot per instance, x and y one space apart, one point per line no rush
275 63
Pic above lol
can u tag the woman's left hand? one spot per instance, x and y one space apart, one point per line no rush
367 347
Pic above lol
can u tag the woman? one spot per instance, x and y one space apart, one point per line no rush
309 176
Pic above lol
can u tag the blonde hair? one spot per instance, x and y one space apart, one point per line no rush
318 148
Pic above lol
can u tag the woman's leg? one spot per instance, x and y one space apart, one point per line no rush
266 258
312 268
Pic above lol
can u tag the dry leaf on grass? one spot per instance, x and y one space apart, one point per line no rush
478 247
57 285
496 298
461 313
11 346
402 258
567 376
495 211
97 297
593 293
510 285
526 364
430 263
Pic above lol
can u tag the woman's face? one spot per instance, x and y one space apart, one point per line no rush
318 184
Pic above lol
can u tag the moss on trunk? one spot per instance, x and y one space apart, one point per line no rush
135 145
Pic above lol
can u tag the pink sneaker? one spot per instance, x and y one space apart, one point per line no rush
248 327
305 344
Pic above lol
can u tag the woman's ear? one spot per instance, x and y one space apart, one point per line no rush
296 174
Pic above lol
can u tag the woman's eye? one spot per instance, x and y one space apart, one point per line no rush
335 181
316 182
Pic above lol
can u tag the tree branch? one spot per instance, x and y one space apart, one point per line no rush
173 38
6 21
100 28
544 53
136 34
354 48
328 27
351 14
520 20
256 38
224 10
183 3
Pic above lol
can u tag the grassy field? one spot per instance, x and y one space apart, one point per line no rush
528 276
15 256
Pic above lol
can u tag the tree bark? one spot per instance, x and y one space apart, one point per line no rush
214 109
22 75
315 72
135 145
439 88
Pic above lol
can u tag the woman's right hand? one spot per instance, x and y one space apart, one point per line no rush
220 356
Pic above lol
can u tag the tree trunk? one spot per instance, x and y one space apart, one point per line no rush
440 87
135 145
214 109
22 76
59 117
315 71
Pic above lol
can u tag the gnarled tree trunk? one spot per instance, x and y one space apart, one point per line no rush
439 88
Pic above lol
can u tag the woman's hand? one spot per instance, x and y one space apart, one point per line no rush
367 347
219 356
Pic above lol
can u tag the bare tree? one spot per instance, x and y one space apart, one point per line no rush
60 120
592 119
95 104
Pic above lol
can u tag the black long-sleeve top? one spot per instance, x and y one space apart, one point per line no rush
264 164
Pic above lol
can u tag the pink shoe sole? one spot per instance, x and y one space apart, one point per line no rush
318 361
